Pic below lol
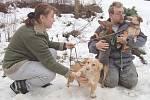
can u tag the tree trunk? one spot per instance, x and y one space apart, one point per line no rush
77 8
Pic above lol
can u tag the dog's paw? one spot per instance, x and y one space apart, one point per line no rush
78 74
93 95
68 85
102 84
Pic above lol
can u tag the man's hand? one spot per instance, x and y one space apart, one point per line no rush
70 45
102 45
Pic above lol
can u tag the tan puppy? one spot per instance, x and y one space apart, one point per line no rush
91 70
134 28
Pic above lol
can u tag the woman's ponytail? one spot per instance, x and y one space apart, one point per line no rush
31 19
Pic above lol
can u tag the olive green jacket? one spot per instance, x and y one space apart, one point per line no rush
27 44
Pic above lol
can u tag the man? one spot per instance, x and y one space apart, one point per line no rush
122 71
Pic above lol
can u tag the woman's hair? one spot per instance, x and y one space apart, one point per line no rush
114 4
40 9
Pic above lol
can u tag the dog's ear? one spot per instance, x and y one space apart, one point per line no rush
125 33
99 21
102 23
140 19
129 18
99 65
85 60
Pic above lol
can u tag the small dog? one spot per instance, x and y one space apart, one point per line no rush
134 27
103 56
133 30
91 69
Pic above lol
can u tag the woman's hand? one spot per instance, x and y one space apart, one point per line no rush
102 45
70 45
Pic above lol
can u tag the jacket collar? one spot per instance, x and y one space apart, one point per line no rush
39 29
122 26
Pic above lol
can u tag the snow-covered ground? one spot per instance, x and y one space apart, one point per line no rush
59 91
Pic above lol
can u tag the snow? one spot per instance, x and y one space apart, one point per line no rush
59 91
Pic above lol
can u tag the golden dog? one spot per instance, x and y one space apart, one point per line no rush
91 69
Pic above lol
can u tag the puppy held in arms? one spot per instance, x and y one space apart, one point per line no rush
134 28
90 69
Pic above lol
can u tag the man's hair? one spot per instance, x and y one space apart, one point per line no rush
114 4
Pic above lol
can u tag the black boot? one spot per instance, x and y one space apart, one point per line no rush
48 84
143 60
19 86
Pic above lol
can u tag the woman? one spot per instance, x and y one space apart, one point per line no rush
28 59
